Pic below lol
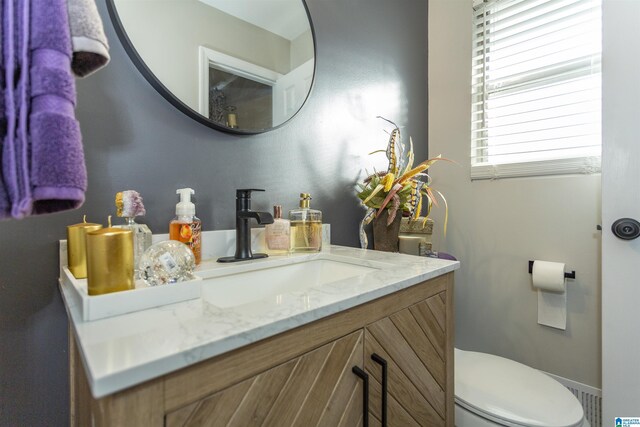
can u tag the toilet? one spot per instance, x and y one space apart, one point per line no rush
494 391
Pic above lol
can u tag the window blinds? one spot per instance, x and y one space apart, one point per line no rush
536 90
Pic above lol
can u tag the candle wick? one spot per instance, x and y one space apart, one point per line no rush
109 220
84 218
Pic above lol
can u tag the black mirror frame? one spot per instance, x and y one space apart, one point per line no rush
174 100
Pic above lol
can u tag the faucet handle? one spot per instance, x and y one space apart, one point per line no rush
245 193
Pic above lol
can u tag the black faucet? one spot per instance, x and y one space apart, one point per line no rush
243 229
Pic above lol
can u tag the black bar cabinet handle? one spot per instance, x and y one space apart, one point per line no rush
379 360
365 394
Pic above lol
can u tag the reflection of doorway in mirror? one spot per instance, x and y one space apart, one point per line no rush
235 93
237 101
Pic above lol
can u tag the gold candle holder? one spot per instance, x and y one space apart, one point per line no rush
109 260
77 247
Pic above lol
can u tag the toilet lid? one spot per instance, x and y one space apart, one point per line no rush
511 393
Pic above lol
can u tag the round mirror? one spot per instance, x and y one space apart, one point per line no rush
241 66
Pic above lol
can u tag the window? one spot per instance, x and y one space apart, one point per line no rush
536 88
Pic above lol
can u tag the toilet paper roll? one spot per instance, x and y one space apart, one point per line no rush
549 280
548 276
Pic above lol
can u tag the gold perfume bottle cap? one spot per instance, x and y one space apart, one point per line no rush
304 200
109 260
77 247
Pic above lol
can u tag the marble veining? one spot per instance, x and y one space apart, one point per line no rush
125 350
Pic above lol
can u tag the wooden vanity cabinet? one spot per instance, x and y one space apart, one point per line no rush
304 376
413 344
317 388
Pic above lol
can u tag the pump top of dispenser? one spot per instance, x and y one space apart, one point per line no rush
185 207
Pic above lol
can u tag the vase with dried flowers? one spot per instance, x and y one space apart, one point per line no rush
401 190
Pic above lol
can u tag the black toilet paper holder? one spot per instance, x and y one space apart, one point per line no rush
571 275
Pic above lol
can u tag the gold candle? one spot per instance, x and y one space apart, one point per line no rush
109 260
77 247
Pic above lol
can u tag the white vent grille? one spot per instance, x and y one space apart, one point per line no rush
590 398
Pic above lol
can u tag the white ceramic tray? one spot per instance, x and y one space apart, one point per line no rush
143 297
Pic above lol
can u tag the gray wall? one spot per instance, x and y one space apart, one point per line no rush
496 227
371 60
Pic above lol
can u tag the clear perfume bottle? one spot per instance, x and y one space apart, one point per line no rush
306 227
129 205
278 235
141 241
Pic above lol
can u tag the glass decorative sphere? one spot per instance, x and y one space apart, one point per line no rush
166 262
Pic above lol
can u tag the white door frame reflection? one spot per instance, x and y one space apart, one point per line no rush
288 90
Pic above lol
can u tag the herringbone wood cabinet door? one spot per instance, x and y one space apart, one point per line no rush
413 343
315 389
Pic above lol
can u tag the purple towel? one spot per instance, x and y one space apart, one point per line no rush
58 173
15 168
8 107
5 203
43 166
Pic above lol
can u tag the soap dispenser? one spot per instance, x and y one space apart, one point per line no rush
306 227
186 227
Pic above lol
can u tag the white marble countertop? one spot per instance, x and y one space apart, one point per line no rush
126 350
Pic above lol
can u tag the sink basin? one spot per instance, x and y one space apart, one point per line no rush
271 282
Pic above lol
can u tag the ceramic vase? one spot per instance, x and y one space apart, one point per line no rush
385 237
